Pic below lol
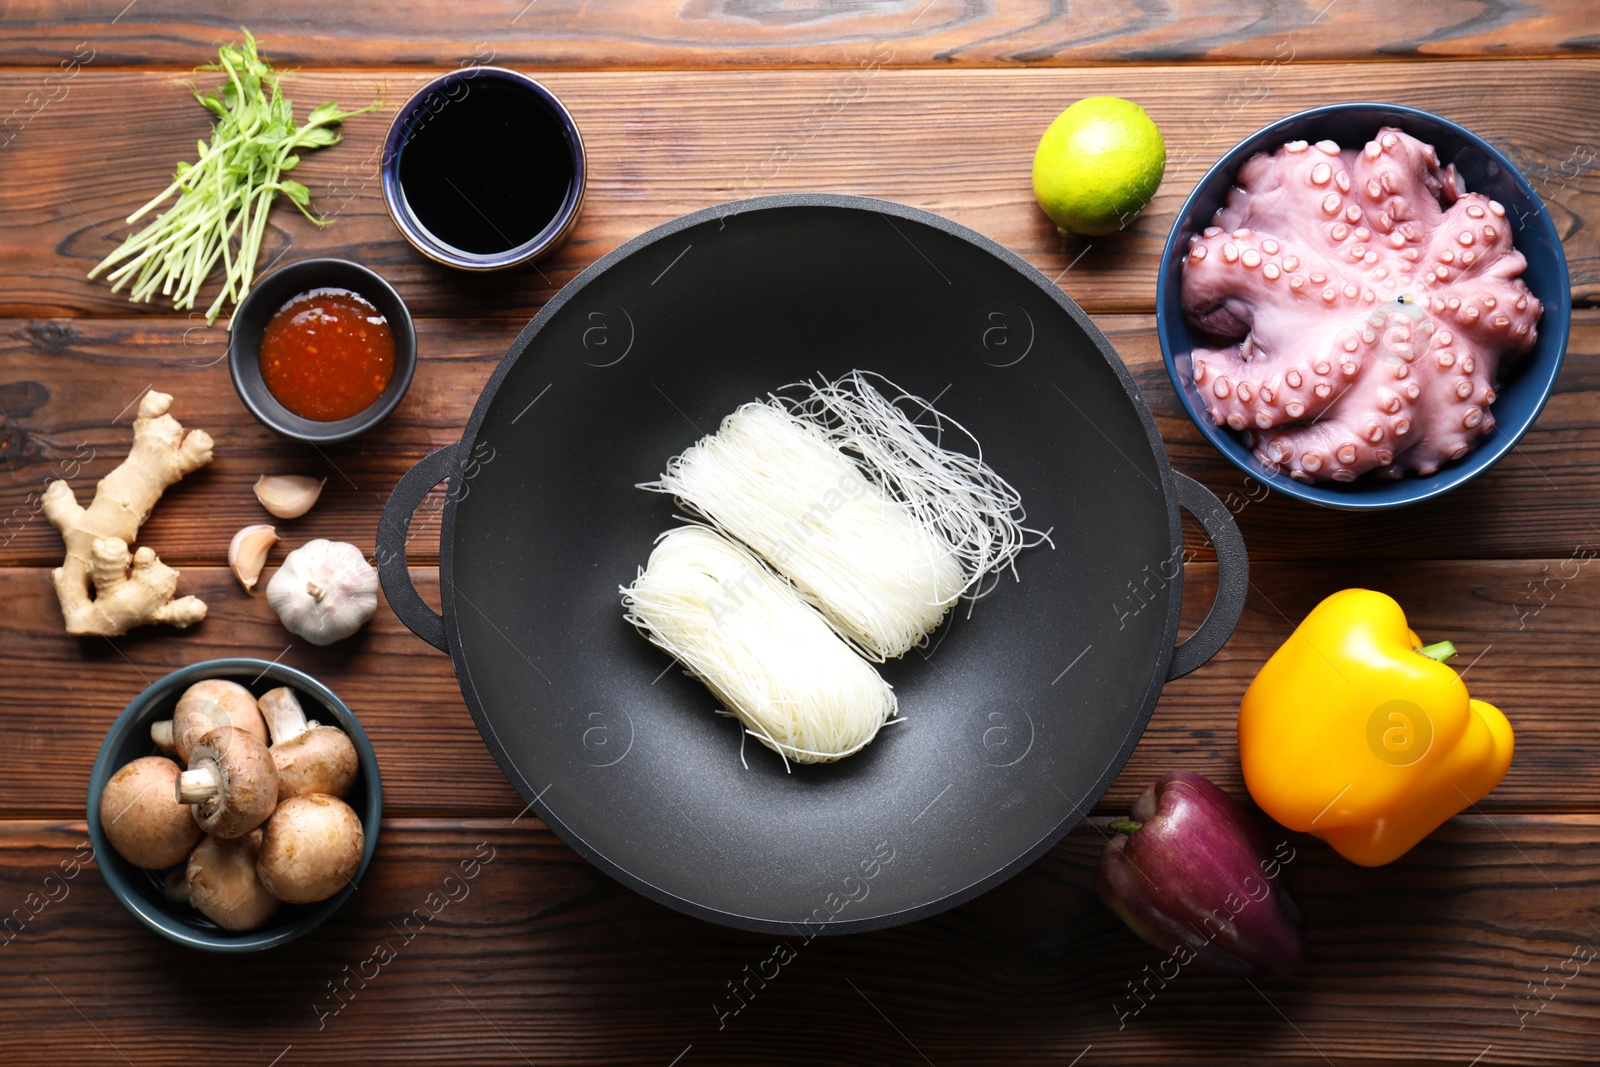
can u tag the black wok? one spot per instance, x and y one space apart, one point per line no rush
1018 718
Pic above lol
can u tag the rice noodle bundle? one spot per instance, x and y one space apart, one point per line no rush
857 502
767 655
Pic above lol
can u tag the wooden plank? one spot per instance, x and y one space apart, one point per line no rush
416 728
538 958
1526 631
956 142
572 34
63 384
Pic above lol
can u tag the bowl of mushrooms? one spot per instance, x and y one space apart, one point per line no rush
234 805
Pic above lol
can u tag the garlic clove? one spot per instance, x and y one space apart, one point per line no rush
288 496
247 554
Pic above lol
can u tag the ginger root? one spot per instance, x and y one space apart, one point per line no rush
97 537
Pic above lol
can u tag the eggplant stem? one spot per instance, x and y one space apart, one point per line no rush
1438 651
1125 826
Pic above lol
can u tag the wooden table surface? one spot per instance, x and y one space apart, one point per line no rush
1458 953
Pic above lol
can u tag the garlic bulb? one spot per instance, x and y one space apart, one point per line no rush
325 591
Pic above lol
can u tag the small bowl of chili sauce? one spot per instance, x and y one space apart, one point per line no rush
322 350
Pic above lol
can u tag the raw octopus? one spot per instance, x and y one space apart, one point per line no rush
1368 299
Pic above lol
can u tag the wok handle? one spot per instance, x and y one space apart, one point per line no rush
394 528
1233 577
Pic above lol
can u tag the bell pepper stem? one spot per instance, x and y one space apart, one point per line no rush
1125 826
1439 650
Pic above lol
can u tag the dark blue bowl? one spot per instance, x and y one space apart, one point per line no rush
1522 394
129 738
433 99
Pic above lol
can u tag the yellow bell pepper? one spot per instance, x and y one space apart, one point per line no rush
1357 734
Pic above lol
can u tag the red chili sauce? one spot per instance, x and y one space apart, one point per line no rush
327 354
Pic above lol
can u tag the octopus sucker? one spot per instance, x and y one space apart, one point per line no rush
1406 269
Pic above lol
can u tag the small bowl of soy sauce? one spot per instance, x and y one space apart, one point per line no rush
484 169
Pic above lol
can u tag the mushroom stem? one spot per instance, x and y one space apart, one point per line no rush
286 719
161 734
200 784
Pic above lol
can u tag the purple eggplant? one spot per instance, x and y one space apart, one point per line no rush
1190 873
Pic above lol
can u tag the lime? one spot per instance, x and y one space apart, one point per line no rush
1098 165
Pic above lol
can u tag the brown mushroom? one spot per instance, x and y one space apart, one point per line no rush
310 848
141 815
310 757
230 781
205 704
222 883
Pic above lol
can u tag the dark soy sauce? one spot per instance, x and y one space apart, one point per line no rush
488 170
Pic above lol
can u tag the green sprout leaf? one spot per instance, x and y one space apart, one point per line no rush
219 215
